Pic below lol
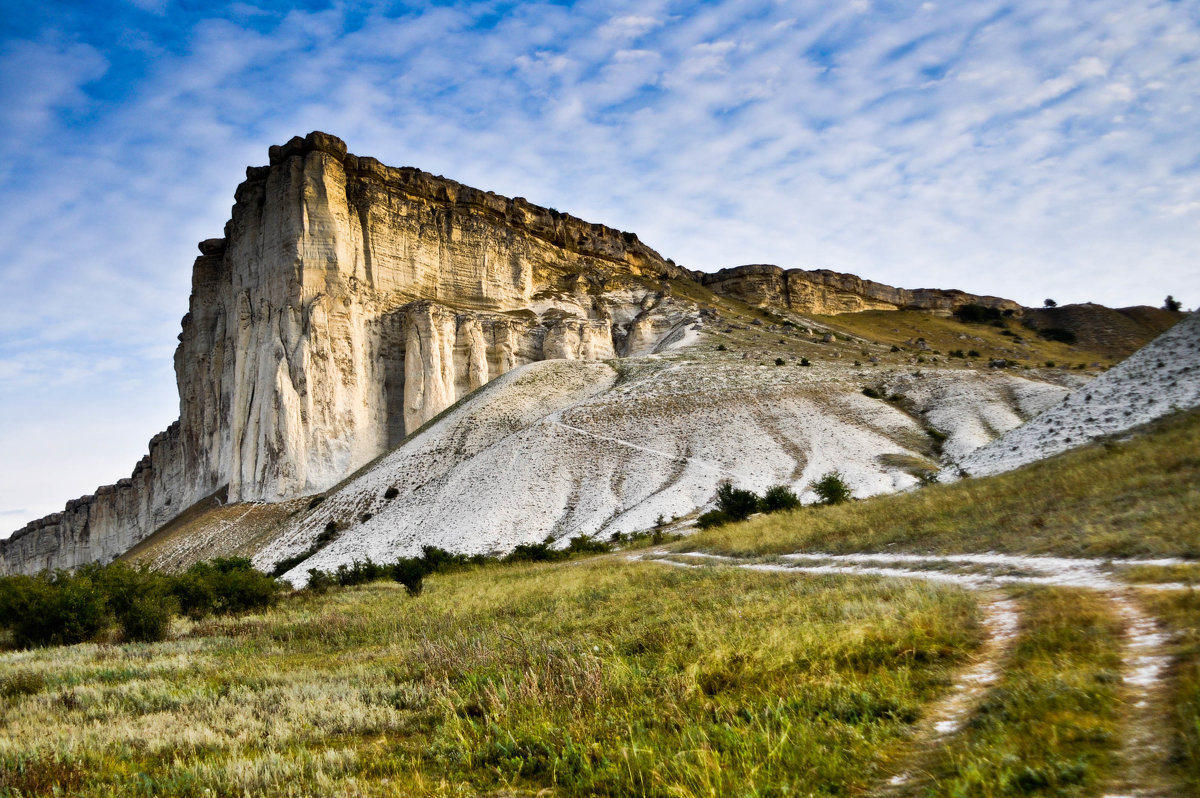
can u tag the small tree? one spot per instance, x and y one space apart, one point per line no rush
831 488
1049 303
1172 304
737 504
778 497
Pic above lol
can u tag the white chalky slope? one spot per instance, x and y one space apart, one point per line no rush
1160 378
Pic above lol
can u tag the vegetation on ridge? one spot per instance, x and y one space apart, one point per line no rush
1136 498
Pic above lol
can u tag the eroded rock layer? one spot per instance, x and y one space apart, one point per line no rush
829 293
347 304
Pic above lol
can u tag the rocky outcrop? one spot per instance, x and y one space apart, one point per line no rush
829 293
346 305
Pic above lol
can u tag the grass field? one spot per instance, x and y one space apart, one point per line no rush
1051 725
599 677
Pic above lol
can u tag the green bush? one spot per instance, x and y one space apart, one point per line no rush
804 362
779 361
1058 334
736 503
52 608
410 572
712 518
141 601
974 353
391 493
977 314
319 582
778 497
222 586
831 488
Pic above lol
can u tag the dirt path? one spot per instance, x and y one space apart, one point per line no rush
945 717
1142 769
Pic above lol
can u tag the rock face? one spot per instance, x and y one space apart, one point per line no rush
347 304
828 293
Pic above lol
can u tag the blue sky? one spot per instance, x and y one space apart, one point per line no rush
1025 149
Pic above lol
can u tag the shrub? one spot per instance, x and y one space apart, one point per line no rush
329 534
1172 304
586 544
712 518
223 586
531 552
974 353
319 582
360 572
410 572
779 361
722 348
141 601
314 501
956 353
804 362
977 314
895 348
1058 334
391 493
778 497
831 488
52 608
737 504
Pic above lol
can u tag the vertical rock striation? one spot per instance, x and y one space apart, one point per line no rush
347 304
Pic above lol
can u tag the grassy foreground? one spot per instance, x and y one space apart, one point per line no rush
1181 612
597 677
1136 498
1051 725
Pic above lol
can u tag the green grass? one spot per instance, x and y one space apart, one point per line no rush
1180 610
598 677
1051 725
1136 498
943 333
1185 574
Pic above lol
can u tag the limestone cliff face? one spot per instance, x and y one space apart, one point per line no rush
829 293
347 304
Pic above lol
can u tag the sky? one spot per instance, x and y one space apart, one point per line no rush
1021 148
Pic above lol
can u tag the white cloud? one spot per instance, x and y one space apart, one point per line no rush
1025 150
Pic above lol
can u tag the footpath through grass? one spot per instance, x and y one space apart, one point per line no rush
1181 612
1131 499
1051 726
598 677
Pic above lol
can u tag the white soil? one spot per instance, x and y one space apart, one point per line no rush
1160 378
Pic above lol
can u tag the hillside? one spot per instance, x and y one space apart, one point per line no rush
349 303
659 672
1160 378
